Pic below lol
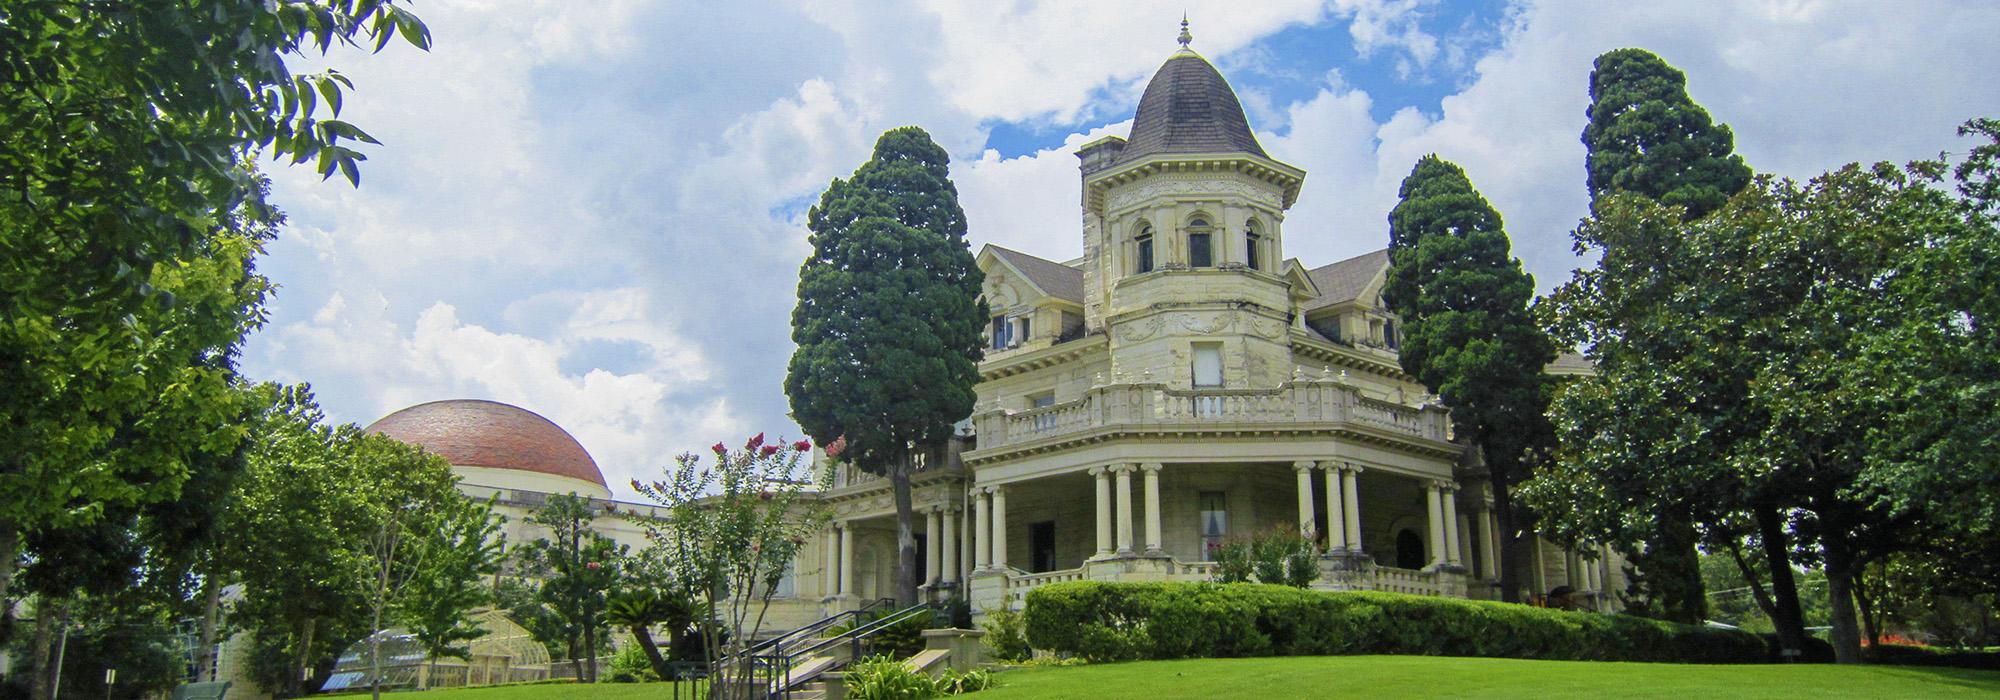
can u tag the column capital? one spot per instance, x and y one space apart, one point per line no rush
1150 466
1121 468
1098 470
1303 465
997 489
1352 468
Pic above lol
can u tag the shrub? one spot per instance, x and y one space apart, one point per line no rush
901 640
955 683
1007 635
885 678
1281 555
1119 621
630 665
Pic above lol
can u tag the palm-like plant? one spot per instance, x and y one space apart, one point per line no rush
639 609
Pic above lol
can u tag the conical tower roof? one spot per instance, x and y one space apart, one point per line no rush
1189 108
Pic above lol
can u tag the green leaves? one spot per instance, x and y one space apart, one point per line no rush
1647 137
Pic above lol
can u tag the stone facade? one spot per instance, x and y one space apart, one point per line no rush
1182 384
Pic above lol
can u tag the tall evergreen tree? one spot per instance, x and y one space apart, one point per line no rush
1647 137
888 321
1468 333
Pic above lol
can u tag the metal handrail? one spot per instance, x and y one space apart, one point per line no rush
777 667
819 626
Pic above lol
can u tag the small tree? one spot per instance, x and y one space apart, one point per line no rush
889 320
731 533
1467 331
578 569
436 603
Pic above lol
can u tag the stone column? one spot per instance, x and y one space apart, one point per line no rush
830 556
1124 493
1000 528
847 560
1483 527
1153 543
950 564
1305 478
1352 494
1435 501
982 533
1336 518
1451 526
931 545
1103 478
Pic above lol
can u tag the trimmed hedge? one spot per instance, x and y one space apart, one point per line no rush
1122 621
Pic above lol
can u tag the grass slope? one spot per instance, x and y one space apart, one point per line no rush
1419 676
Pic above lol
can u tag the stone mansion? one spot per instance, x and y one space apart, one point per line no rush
1183 383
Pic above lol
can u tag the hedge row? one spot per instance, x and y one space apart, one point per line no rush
1120 621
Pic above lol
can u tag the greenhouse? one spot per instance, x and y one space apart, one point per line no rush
507 653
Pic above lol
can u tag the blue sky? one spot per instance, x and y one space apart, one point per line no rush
595 210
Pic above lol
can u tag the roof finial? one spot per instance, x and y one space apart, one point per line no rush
1185 37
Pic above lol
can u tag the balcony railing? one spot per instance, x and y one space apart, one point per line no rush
1327 402
922 462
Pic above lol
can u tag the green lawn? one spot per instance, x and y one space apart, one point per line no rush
1419 676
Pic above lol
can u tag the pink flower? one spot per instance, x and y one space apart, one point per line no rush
802 445
765 495
767 450
838 446
754 547
719 449
593 566
755 442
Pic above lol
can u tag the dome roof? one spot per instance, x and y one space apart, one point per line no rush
1189 108
478 433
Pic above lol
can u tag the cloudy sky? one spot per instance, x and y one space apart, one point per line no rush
595 210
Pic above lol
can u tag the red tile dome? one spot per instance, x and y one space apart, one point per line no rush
479 433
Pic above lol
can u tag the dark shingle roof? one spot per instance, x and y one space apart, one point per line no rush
1189 108
1344 280
1058 280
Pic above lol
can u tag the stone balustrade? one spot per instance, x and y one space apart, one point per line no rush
1323 402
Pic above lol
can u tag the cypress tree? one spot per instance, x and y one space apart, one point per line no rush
888 321
1468 334
1647 137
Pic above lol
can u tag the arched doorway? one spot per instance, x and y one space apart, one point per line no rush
1409 549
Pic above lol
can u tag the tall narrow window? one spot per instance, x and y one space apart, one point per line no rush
1145 262
1201 252
1253 244
1214 524
1389 334
1000 328
1208 364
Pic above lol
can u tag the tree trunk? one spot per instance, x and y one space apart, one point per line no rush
645 639
298 681
44 641
590 646
1503 514
211 613
1758 592
1866 603
10 559
1678 572
1786 614
1840 596
906 537
576 663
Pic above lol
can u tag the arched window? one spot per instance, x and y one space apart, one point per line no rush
1201 246
1253 246
1144 262
1409 550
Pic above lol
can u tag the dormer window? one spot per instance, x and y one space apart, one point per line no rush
1144 263
1253 244
1201 247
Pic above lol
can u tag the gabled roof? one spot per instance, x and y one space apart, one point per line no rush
1053 278
1344 281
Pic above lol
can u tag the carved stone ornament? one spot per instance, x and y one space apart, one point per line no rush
1168 188
1269 329
1206 324
1140 330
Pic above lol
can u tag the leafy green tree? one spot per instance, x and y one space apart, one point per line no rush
449 581
1468 334
578 568
301 529
888 321
1647 137
637 610
128 125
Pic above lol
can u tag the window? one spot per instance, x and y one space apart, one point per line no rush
1145 261
1201 253
1026 330
1042 546
1409 550
1208 364
1042 400
1214 524
1252 243
1000 332
1389 334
